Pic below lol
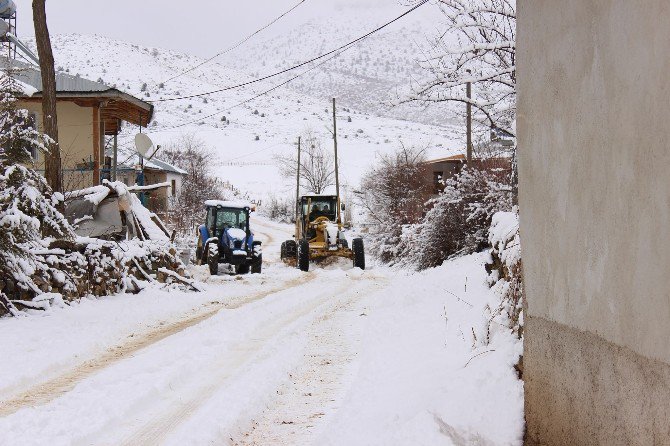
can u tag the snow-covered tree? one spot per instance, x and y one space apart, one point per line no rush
478 45
19 138
199 184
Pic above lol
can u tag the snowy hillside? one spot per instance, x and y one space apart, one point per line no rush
251 133
364 77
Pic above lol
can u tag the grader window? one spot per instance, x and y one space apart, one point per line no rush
320 207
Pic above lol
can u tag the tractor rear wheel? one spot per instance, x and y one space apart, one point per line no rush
303 255
359 253
213 259
257 266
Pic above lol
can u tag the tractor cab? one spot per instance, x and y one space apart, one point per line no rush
226 237
220 219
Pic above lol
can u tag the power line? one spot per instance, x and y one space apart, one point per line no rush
253 97
353 42
238 44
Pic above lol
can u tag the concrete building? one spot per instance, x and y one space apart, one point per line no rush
594 151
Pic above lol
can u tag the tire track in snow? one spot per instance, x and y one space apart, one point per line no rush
155 432
316 386
49 390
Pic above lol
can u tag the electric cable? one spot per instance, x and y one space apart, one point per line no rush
244 84
238 44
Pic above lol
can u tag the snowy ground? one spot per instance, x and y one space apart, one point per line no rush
335 356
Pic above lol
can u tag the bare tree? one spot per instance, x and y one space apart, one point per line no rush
478 46
53 172
393 194
199 184
317 165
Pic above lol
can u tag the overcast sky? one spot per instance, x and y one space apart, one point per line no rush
199 27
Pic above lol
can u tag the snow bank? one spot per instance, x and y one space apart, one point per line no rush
427 375
40 254
504 237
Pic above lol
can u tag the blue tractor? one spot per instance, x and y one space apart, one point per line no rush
227 238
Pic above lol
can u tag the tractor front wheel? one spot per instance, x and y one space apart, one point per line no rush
303 255
213 259
359 253
257 266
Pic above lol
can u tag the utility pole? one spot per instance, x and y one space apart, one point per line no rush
116 152
468 124
297 187
52 169
337 173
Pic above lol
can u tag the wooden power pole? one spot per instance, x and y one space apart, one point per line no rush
468 124
297 186
53 171
337 172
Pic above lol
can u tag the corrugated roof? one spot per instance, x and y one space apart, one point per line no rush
459 157
162 165
121 105
30 75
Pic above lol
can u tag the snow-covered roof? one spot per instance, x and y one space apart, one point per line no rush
69 86
447 159
162 165
229 204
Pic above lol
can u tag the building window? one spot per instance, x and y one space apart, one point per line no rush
174 188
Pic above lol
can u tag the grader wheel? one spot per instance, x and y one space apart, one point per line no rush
303 255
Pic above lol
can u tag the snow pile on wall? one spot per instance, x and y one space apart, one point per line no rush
505 270
43 261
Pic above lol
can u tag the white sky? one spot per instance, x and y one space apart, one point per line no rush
199 27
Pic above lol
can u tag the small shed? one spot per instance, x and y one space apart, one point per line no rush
441 169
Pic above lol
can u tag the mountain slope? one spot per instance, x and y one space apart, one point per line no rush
251 133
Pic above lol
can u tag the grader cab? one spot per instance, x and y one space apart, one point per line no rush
319 234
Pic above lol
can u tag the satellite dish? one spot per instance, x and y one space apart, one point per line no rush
7 8
4 28
144 145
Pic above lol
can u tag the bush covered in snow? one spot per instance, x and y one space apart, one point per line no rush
393 195
279 209
505 270
458 220
410 229
43 260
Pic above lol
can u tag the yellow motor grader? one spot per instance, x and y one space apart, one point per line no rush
318 234
318 225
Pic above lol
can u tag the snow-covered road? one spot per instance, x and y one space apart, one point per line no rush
281 358
137 370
